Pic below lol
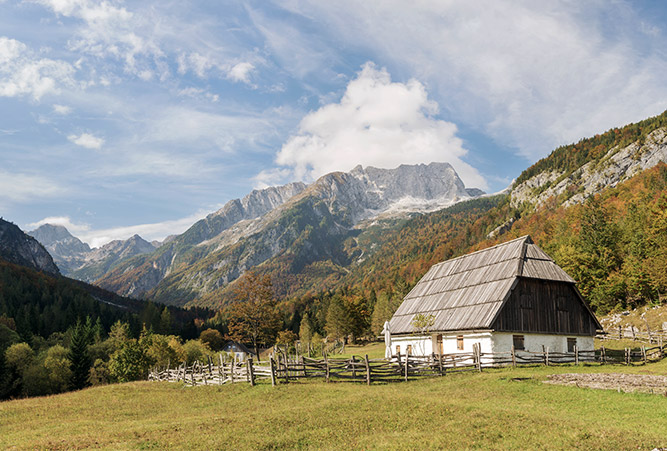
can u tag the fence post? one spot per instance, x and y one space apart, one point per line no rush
576 355
440 363
627 356
368 371
354 368
407 358
513 357
478 351
604 354
644 354
251 372
286 364
326 370
272 363
303 366
232 367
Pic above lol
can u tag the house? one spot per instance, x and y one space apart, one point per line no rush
238 349
512 294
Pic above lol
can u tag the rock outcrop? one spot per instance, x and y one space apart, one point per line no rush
21 249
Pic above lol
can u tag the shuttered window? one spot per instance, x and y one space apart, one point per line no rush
517 341
571 343
459 342
408 350
398 349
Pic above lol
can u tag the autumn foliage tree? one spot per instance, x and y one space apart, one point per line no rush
254 318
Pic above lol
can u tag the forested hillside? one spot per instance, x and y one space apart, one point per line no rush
614 244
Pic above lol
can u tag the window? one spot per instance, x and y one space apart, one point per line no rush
571 343
459 342
517 341
398 349
408 350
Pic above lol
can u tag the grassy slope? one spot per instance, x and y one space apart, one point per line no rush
486 411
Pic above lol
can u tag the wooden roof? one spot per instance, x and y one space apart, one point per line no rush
467 292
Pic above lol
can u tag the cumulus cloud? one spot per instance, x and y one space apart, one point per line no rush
241 72
376 123
87 140
24 73
100 237
532 75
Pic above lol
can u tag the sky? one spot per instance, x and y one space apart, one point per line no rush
124 117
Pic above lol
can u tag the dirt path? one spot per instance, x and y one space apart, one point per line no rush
613 381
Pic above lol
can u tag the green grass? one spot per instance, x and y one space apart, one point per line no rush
497 409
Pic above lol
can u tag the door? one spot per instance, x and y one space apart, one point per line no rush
437 345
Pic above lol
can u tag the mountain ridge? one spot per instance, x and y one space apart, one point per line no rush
326 211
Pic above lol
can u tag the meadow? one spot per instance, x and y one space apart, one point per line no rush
509 408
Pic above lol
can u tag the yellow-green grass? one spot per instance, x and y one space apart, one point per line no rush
373 350
496 409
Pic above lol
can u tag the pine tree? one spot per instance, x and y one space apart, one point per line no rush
338 319
305 329
81 338
166 323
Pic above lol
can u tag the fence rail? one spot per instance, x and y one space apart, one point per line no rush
632 333
283 368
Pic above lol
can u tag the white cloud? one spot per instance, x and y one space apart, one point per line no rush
198 93
531 74
24 73
376 123
272 177
111 31
87 140
62 109
16 187
65 221
97 238
241 72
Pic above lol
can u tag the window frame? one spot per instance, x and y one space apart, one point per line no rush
519 338
459 343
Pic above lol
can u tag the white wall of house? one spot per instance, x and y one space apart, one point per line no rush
533 342
489 341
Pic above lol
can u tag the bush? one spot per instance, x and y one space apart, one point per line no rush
213 339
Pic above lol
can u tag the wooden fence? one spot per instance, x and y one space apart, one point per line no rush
281 368
632 333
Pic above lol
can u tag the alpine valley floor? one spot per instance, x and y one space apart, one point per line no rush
496 409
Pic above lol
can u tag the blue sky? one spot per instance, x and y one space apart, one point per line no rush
123 117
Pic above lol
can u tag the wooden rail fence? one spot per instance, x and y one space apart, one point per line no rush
633 333
281 368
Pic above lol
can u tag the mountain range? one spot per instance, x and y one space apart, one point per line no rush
297 225
343 228
76 259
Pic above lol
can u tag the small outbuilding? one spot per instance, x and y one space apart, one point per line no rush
238 349
511 294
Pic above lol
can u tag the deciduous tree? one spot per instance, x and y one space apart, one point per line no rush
253 317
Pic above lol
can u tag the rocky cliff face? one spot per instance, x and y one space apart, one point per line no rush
298 224
67 251
235 219
617 165
21 249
